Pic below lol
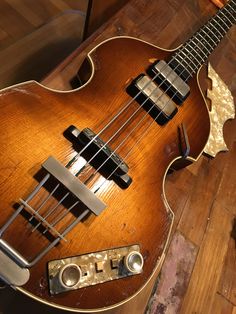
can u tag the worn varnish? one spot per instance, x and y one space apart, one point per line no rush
130 215
186 13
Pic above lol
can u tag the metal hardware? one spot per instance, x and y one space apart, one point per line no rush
99 155
17 273
74 185
11 273
90 269
70 275
134 262
170 81
152 99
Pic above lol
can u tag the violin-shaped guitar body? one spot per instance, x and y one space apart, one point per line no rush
34 121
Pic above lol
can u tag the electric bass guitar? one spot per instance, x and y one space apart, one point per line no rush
84 219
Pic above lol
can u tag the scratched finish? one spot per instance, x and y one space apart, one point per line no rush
33 120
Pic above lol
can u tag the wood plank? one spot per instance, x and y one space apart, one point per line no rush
221 305
227 194
197 209
19 18
101 11
47 46
208 268
13 22
176 198
227 285
26 12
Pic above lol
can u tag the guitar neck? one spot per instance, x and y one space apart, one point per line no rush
190 57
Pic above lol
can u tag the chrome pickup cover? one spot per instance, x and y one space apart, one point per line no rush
156 95
169 81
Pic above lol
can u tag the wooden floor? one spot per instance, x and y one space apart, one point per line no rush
202 196
19 18
35 36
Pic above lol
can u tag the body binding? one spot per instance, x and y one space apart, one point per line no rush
32 122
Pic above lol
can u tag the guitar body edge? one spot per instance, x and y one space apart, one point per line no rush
61 111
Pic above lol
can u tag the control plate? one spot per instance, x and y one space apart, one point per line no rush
90 269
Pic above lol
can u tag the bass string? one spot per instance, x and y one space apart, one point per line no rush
145 86
48 213
195 67
133 115
96 171
130 150
126 156
126 106
121 111
141 106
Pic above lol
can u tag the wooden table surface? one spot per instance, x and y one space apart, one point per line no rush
202 196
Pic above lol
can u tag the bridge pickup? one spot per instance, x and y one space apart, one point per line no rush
74 185
97 153
169 81
152 99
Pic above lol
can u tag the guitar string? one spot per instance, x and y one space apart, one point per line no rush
50 211
131 132
78 154
129 152
145 115
86 182
136 127
152 80
141 106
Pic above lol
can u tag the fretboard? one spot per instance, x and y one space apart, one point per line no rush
189 58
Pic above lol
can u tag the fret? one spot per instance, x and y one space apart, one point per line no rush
184 63
230 14
230 6
212 33
197 50
221 26
195 57
224 20
190 56
212 47
187 62
227 27
217 30
200 47
206 42
176 63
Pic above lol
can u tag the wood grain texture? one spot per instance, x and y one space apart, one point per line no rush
21 17
197 209
137 19
97 104
222 305
209 264
227 285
